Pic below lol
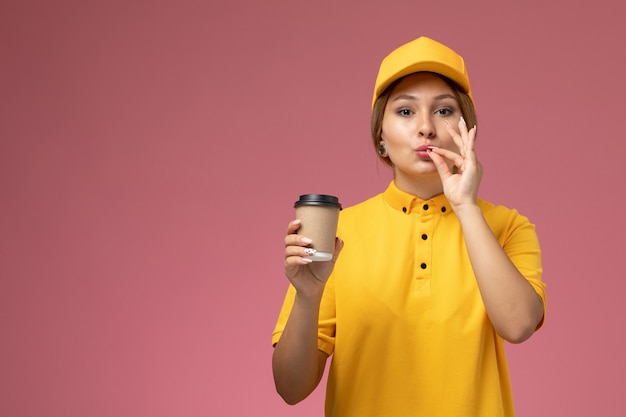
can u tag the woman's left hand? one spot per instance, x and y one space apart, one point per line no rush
460 187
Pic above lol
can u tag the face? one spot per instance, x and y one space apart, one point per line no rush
414 118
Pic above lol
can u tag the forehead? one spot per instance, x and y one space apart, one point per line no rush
422 81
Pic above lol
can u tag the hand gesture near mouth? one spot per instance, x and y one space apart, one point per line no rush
460 187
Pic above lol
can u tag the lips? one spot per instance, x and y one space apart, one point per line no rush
422 151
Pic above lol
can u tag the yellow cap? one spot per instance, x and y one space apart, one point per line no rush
421 54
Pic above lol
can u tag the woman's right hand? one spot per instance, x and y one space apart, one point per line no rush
306 276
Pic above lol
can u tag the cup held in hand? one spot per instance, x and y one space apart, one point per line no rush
319 214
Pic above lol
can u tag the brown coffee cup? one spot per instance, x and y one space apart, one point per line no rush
319 215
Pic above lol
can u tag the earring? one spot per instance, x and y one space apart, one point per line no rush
382 150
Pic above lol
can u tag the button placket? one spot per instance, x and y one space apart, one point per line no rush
427 215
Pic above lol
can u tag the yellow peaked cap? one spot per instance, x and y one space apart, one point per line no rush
421 54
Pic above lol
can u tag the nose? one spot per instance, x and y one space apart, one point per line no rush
426 128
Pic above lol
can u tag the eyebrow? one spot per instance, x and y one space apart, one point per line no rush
413 98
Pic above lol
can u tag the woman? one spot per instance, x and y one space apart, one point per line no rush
431 280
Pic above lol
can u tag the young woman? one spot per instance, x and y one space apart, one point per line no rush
427 281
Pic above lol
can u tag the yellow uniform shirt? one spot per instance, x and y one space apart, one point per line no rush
403 317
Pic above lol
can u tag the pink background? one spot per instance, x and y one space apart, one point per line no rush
150 153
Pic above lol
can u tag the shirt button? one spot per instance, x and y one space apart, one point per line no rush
404 209
443 209
424 236
425 206
423 265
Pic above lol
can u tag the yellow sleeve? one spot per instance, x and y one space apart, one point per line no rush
521 244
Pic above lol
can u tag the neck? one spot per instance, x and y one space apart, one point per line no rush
425 187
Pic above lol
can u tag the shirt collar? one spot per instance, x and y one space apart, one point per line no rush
408 203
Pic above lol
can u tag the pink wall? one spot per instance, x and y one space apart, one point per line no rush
150 153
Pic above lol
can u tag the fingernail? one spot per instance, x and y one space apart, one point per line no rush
306 240
462 119
310 251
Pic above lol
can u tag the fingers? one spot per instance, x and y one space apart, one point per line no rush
471 142
293 226
293 239
297 248
442 167
457 137
338 247
468 138
464 138
456 159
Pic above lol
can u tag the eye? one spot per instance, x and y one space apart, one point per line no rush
405 112
444 112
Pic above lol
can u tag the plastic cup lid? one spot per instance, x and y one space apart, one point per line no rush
318 200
